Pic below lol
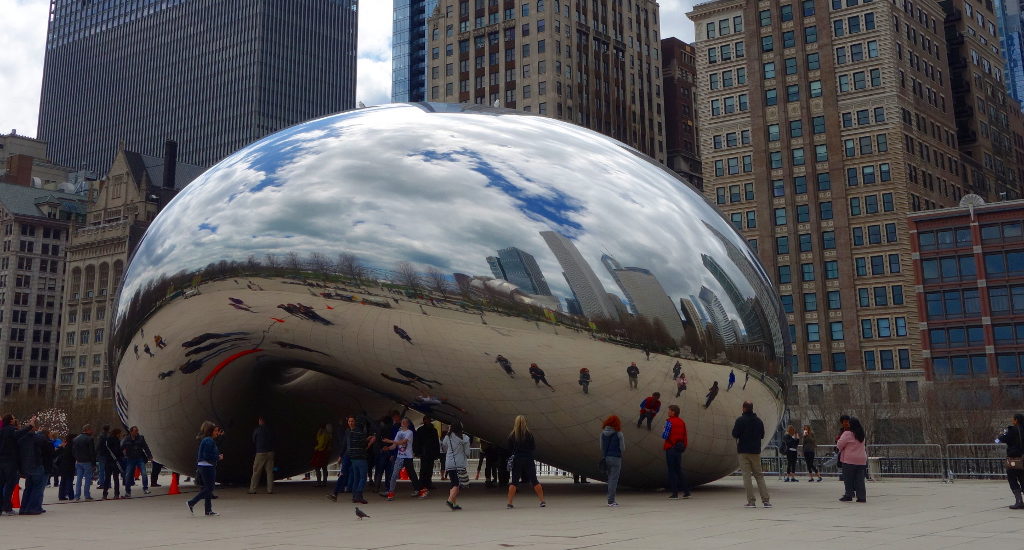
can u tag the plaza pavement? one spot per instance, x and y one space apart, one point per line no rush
899 514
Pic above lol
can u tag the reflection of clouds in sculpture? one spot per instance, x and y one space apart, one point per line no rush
496 180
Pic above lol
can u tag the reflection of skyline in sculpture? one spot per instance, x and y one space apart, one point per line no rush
519 268
572 305
758 323
719 319
645 294
585 285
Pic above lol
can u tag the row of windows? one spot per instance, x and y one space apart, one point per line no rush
724 28
853 24
960 366
803 213
885 359
883 327
1009 231
799 184
34 371
796 128
878 296
876 265
865 145
860 80
814 365
789 39
737 219
805 242
1006 300
786 12
725 52
731 139
1004 264
949 269
830 267
872 234
734 193
856 52
956 337
833 301
732 165
869 204
83 337
729 105
952 304
725 78
954 237
798 156
36 354
862 117
1010 364
868 174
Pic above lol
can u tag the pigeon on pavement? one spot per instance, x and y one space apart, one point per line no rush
361 514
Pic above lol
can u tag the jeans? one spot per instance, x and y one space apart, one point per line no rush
102 474
853 480
649 416
676 477
344 482
35 484
750 465
208 477
357 473
614 467
83 476
8 480
262 464
409 469
129 474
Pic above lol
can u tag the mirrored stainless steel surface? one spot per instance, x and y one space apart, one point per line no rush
387 257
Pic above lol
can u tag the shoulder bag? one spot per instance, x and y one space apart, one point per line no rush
1016 462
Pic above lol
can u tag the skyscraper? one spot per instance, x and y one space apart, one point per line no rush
496 269
212 74
521 269
409 49
1011 44
584 283
679 67
597 65
720 320
649 298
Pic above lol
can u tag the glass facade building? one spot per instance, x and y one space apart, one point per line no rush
214 75
409 49
1011 45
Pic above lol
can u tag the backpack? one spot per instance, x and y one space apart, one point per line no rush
611 444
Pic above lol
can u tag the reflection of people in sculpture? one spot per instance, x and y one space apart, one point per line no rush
680 383
647 352
413 376
676 369
402 334
209 336
145 348
239 305
506 365
712 394
585 379
135 348
426 403
402 381
633 372
538 376
287 345
746 378
159 341
732 380
649 408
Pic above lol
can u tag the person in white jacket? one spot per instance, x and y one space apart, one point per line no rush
455 446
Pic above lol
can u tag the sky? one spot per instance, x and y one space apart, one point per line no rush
23 36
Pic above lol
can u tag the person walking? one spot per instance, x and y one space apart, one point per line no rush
676 369
808 443
613 443
649 408
748 431
84 452
154 473
402 443
10 434
790 442
712 394
33 448
263 462
321 445
207 458
356 444
538 376
680 383
585 379
112 455
633 372
506 365
675 444
65 465
455 446
428 447
1013 438
522 445
855 461
732 380
136 454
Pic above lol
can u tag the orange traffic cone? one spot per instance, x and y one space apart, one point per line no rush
16 497
403 475
174 485
138 473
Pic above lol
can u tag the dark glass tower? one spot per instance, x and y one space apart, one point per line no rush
409 49
214 75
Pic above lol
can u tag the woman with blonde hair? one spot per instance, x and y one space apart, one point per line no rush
206 463
612 445
321 447
521 444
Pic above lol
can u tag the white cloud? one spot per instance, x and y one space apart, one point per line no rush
674 21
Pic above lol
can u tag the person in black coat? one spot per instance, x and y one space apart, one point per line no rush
428 446
32 451
1013 438
66 469
10 434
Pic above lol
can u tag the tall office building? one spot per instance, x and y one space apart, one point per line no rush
679 70
521 269
980 99
1011 45
594 64
586 287
720 321
409 49
848 108
646 295
214 75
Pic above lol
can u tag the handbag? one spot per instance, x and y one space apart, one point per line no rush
1016 462
463 477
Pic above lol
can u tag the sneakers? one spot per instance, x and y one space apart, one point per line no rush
846 499
456 508
423 493
415 494
1017 506
766 504
543 504
450 505
333 497
509 507
750 504
145 491
391 496
212 514
613 504
674 496
190 509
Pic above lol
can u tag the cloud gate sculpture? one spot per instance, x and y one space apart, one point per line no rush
386 257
